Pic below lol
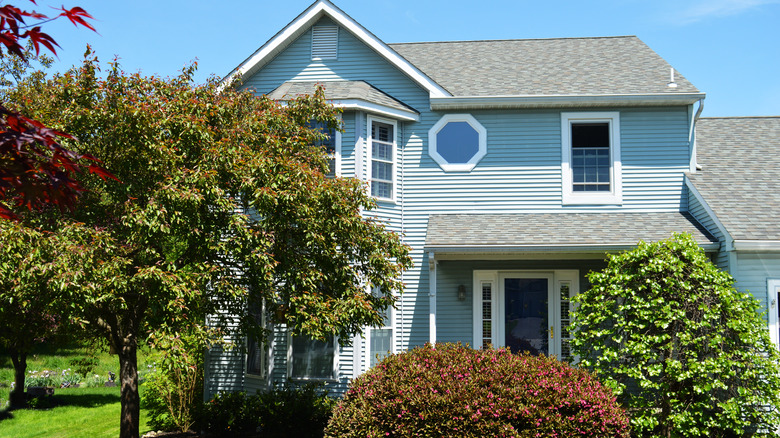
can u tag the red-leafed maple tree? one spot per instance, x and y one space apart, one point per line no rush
35 169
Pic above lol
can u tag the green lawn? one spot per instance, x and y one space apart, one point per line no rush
81 412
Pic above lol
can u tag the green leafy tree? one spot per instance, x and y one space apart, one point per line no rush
683 350
28 313
223 205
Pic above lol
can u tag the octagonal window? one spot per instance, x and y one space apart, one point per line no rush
457 142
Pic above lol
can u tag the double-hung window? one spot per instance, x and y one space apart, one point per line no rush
382 158
311 359
591 164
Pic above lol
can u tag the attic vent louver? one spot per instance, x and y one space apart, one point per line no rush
324 42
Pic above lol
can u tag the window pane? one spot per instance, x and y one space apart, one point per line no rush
457 142
382 151
381 189
312 358
381 344
382 171
254 364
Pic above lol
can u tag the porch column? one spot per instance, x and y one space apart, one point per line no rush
432 295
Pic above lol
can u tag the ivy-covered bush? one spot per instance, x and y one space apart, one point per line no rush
453 391
684 351
285 411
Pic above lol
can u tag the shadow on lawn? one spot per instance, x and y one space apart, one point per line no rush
84 400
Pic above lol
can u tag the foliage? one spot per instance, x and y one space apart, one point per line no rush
283 411
679 345
29 310
231 414
35 169
173 392
452 390
299 411
215 182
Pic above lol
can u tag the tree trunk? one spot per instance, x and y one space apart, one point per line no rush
17 397
131 401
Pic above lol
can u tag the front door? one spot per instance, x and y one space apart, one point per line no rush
527 315
527 311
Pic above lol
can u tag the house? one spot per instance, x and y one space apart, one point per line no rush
511 167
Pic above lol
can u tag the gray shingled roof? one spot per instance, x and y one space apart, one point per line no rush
561 66
341 90
740 180
619 230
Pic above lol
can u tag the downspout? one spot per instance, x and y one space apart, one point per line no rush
692 137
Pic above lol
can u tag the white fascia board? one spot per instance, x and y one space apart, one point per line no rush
316 11
563 100
361 105
692 189
544 248
757 245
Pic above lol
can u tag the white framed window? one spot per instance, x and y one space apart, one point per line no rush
773 310
382 158
591 167
332 146
311 359
380 340
457 142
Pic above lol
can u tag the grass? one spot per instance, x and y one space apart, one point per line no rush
79 412
76 412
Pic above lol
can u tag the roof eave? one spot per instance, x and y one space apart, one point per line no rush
306 19
545 248
563 101
371 107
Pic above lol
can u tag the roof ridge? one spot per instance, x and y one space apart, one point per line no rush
516 39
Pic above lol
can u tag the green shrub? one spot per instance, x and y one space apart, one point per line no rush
231 414
454 391
687 353
172 390
290 411
284 411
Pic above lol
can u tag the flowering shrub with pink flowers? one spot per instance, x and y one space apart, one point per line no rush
450 390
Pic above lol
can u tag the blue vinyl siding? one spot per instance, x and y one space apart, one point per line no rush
753 270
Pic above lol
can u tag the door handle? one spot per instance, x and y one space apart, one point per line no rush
552 332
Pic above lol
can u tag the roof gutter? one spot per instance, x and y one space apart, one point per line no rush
545 248
757 245
563 100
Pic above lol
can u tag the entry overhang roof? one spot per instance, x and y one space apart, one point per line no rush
558 232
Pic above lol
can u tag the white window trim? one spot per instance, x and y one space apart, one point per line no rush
369 155
337 152
772 303
495 277
615 195
441 161
332 378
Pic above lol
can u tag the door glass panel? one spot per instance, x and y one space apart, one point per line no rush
526 318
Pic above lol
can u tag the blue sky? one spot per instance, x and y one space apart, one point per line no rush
727 48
